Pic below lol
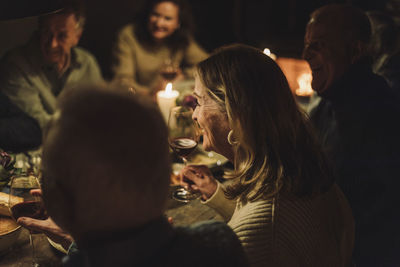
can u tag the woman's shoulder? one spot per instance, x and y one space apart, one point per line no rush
322 206
127 30
127 36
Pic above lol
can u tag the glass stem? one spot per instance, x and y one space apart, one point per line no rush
34 262
185 162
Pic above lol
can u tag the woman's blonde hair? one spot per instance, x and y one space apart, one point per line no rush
274 145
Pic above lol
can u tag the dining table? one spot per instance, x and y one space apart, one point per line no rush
20 253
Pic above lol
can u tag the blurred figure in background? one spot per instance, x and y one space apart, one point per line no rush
161 38
121 154
33 75
385 45
357 122
282 202
18 131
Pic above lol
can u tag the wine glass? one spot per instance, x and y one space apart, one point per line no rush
23 203
169 70
183 137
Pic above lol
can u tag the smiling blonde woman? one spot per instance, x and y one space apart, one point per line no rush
282 201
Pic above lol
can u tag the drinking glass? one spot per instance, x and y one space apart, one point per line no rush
183 138
169 70
24 204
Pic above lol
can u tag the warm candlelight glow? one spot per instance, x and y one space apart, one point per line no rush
166 100
168 92
168 89
268 53
304 81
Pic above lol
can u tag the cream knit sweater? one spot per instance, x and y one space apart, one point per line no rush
292 231
140 66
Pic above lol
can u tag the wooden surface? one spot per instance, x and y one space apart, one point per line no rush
20 255
188 213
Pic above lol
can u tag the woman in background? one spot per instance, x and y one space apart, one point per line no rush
161 38
282 201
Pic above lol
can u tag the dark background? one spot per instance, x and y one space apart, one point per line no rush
276 24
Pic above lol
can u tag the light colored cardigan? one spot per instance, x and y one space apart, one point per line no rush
25 81
292 231
140 66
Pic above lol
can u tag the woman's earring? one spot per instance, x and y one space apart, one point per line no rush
230 141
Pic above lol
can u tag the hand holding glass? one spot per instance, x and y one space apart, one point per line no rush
183 138
24 204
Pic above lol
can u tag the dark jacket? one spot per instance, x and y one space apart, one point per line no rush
357 122
18 131
160 244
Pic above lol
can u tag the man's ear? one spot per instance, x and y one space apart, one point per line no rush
79 32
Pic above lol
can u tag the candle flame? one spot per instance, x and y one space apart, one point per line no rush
168 92
168 88
304 81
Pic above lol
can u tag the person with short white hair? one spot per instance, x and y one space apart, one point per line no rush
34 74
357 123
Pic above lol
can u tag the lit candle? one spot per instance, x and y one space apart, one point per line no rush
166 100
268 53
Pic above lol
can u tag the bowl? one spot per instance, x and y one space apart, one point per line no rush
9 232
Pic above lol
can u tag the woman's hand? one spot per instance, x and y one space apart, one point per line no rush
198 178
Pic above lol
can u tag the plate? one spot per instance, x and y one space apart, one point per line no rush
209 158
180 194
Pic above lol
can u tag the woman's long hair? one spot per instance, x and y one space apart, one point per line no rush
276 148
179 39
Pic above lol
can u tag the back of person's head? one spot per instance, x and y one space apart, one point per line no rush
276 148
346 23
180 38
75 7
106 162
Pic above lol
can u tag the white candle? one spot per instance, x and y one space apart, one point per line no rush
166 100
268 53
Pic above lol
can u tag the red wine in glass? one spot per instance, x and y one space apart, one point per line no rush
183 138
23 203
183 146
32 209
169 75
